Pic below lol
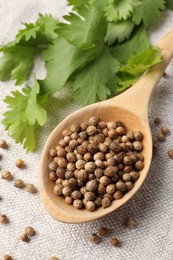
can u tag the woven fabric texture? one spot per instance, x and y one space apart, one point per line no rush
151 207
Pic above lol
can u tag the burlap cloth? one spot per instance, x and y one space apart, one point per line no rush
151 207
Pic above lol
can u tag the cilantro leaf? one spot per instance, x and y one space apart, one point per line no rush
117 10
17 62
25 113
136 66
77 4
119 31
169 4
138 42
148 12
42 31
62 60
84 31
90 83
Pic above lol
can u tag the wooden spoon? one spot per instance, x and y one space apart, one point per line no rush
131 107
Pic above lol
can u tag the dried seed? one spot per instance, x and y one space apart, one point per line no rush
6 175
53 258
105 203
77 204
3 144
30 188
29 231
160 137
3 219
165 130
170 154
7 257
115 242
58 189
19 184
90 206
94 238
129 223
24 237
20 163
102 231
157 120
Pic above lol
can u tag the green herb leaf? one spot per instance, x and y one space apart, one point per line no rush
43 31
138 42
25 113
17 62
117 10
82 31
62 59
169 4
136 66
90 83
148 12
119 31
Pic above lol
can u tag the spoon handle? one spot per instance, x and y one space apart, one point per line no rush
136 98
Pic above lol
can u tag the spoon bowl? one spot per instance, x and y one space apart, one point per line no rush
130 107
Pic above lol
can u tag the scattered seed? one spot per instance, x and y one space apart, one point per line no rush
160 137
115 242
94 238
157 120
29 231
102 231
3 144
20 163
6 175
3 219
19 184
24 237
7 257
30 188
165 130
170 154
53 258
129 223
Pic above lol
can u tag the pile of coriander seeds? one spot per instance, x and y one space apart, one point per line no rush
95 163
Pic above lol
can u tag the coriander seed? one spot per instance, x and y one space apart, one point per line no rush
29 231
20 163
102 231
91 185
7 257
77 204
160 137
6 175
157 120
94 238
170 154
3 143
129 223
105 203
69 200
30 188
118 195
90 206
24 237
115 242
165 130
19 184
3 219
53 258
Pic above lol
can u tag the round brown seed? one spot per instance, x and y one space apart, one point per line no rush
19 184
3 219
160 137
105 203
157 120
20 163
94 238
6 175
24 237
170 154
118 195
30 188
120 186
58 189
115 242
7 257
90 206
165 130
77 204
102 231
29 231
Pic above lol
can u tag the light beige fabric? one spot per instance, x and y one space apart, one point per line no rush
151 207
